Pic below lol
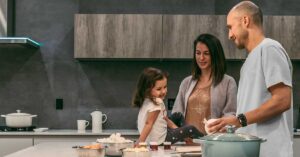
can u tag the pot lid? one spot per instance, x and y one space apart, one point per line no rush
230 136
19 114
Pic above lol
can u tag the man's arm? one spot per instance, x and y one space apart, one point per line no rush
279 103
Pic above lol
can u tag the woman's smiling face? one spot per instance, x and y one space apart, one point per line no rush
203 56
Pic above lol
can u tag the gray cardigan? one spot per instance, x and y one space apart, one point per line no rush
223 97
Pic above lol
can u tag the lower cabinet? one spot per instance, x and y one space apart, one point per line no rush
70 138
9 145
296 146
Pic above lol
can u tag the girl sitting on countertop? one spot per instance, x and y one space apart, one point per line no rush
153 124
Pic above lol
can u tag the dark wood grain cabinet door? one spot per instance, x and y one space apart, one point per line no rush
286 30
118 36
157 36
180 31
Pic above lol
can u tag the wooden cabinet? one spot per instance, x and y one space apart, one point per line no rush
180 31
118 36
284 29
12 144
296 146
167 36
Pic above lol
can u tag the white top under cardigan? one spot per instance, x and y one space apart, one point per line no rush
223 96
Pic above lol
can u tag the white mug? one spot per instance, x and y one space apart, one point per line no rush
81 125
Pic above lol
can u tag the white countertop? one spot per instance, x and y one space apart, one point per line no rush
71 132
64 149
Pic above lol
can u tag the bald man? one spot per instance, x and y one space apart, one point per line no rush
264 99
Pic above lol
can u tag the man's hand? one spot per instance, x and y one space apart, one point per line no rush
219 124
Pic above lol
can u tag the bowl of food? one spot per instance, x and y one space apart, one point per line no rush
136 152
93 150
115 144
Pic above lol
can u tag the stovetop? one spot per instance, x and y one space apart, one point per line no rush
8 129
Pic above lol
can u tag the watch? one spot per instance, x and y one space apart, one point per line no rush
242 119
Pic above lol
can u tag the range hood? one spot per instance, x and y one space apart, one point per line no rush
7 27
22 41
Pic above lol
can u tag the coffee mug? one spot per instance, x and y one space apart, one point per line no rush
81 125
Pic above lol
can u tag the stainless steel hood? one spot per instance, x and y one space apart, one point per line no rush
23 41
7 27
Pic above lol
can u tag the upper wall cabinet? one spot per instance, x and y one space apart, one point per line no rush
168 36
118 36
286 30
180 31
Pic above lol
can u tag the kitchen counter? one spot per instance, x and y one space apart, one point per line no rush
296 134
13 141
66 132
64 149
72 133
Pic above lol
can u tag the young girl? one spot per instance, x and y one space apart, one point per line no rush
153 124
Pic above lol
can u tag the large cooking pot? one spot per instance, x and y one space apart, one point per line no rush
230 144
18 120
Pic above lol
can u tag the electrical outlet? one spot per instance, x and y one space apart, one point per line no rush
59 104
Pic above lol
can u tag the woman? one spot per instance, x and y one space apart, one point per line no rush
208 92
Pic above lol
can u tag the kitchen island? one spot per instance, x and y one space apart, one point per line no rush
13 141
64 149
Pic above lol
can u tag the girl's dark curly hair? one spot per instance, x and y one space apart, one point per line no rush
145 83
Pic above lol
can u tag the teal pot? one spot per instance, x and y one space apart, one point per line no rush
230 144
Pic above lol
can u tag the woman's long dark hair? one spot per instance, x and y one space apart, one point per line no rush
145 83
218 65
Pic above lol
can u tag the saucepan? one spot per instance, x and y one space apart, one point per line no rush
18 120
230 144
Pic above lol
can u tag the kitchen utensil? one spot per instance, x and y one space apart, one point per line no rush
18 120
230 144
97 121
